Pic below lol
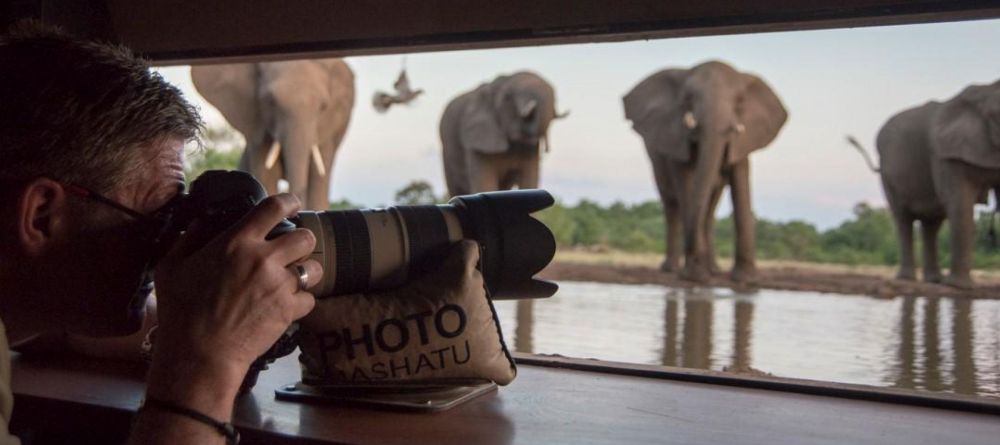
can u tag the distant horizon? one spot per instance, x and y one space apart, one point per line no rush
833 82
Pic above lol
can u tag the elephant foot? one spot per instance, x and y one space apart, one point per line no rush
714 269
669 266
744 274
963 281
933 276
906 275
695 274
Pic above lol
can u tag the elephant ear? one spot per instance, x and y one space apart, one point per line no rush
480 130
656 113
762 116
232 89
968 127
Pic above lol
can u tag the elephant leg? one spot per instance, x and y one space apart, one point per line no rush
456 167
522 171
509 179
929 230
530 173
962 194
709 232
745 263
962 238
484 172
904 233
671 216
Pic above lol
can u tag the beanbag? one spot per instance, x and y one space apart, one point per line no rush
441 328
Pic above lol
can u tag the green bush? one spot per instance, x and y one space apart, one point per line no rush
220 151
869 237
417 192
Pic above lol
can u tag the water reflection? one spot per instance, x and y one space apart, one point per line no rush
932 355
905 358
525 319
931 375
670 334
742 331
934 344
961 334
696 340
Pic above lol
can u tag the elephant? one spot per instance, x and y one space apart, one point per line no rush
937 161
904 151
699 126
293 114
491 136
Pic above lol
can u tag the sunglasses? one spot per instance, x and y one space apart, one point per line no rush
151 228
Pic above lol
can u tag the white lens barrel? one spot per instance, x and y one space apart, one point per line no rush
378 248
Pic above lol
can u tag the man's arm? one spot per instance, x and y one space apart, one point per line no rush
220 306
201 387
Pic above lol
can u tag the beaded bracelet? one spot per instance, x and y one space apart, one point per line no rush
225 428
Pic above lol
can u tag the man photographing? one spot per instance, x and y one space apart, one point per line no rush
91 147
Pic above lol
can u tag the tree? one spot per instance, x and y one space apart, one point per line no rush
220 151
417 192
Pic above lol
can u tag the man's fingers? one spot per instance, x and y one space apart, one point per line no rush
268 214
298 243
302 304
313 270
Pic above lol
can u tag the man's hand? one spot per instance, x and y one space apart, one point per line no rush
223 304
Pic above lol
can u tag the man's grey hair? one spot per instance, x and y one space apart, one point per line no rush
79 111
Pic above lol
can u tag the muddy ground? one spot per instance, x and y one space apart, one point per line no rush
801 278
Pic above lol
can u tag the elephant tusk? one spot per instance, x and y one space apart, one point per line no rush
740 128
528 107
272 155
317 158
689 121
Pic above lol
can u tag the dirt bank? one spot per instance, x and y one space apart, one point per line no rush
818 278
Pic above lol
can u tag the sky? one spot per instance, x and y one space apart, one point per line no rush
833 83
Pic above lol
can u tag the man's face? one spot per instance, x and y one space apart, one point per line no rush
103 257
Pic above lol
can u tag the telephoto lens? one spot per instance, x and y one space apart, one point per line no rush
373 249
377 249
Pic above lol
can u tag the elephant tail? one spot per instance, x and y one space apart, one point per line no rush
991 234
868 159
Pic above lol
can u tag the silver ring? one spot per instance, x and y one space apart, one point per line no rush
303 276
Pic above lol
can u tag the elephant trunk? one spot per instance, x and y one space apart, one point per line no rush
708 164
297 153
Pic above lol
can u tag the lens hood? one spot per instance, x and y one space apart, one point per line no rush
515 246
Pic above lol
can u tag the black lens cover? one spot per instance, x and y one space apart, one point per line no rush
515 245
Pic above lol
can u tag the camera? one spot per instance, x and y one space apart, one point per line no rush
376 249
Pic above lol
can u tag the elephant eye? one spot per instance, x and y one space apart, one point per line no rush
687 102
738 106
